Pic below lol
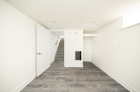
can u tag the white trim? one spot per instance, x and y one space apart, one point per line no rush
90 35
129 26
70 65
24 84
67 29
124 84
57 30
86 61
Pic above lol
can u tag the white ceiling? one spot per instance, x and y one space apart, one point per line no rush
75 14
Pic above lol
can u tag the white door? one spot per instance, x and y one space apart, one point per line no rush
43 51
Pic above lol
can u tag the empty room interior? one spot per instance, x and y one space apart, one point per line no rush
69 45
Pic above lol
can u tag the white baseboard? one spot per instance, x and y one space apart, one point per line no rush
24 84
124 84
86 61
79 65
51 62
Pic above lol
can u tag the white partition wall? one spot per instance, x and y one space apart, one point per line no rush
87 49
53 47
73 42
17 49
117 52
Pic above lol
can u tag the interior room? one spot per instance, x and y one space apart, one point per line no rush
69 45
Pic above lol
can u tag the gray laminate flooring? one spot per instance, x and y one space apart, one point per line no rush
63 79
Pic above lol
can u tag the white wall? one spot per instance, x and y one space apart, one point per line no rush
58 33
73 42
118 53
87 49
54 46
17 48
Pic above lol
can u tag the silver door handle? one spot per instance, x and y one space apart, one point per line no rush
39 53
